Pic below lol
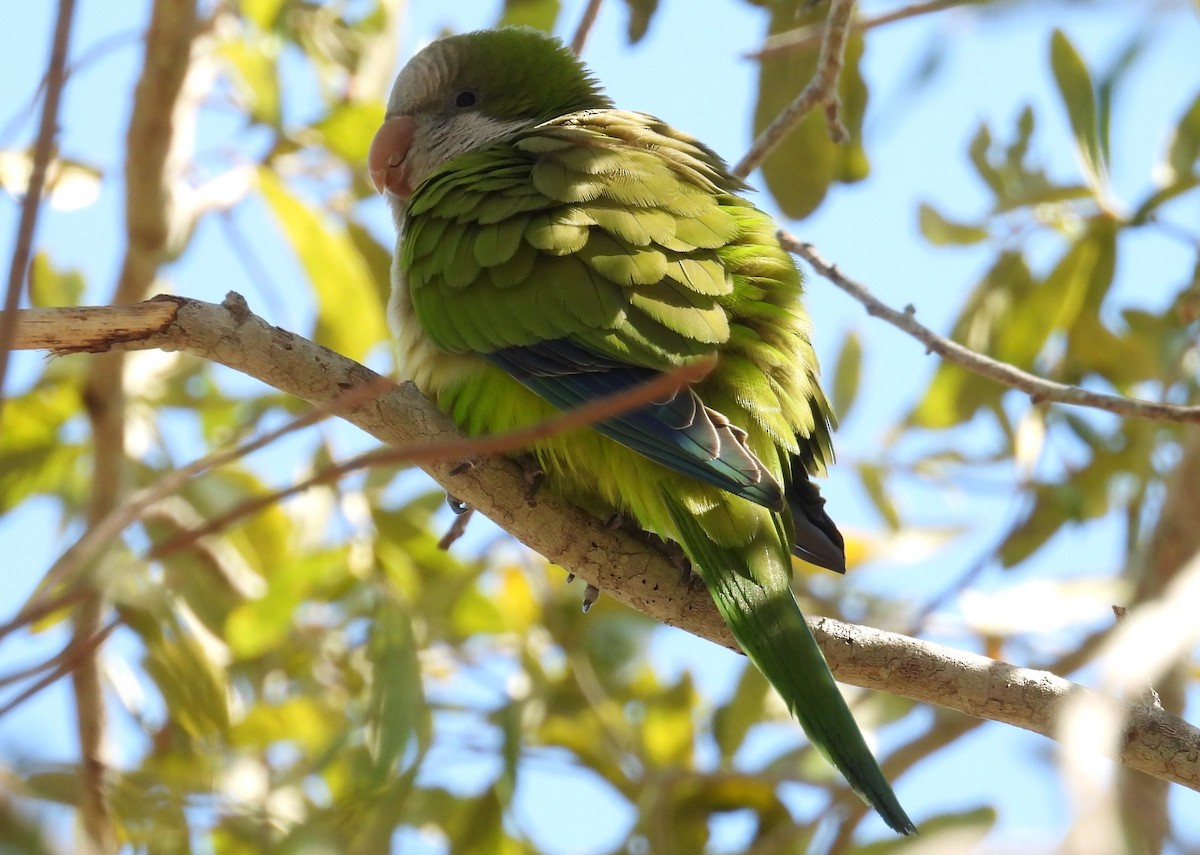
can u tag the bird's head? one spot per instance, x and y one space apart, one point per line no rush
464 92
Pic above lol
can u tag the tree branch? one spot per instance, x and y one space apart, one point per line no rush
822 89
1153 741
155 143
1039 389
43 151
585 26
805 37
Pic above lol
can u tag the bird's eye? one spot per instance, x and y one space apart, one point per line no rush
466 98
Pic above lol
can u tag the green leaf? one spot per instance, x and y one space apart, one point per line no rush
255 76
941 231
846 375
264 13
733 719
397 710
871 477
350 316
640 13
1184 148
34 458
667 729
798 191
348 128
1079 99
539 14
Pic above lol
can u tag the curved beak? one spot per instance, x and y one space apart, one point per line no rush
387 155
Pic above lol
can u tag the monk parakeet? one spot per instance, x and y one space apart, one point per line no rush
553 250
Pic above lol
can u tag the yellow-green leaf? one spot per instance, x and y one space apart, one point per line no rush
350 316
539 14
846 375
1079 99
348 128
1184 148
941 231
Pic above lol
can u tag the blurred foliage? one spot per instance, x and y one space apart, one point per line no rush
323 678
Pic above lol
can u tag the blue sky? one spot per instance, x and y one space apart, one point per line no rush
688 71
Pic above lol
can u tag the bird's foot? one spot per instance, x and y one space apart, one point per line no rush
590 594
462 515
680 561
672 550
534 475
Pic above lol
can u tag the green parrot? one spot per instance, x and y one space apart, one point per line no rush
553 250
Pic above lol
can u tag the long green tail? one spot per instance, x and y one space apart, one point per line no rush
768 625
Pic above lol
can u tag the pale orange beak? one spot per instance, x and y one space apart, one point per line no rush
387 155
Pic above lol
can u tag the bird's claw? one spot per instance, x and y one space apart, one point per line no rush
590 594
534 475
462 516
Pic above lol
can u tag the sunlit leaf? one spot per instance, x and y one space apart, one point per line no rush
34 458
397 710
350 317
640 14
872 481
666 728
733 719
1079 99
254 73
942 231
1184 147
263 13
846 374
539 14
348 128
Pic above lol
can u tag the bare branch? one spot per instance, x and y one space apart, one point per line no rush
155 143
805 37
1039 389
1152 741
585 26
822 89
43 151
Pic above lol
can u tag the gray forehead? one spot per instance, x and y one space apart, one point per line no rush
421 81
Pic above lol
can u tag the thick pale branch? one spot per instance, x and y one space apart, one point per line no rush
1153 741
1038 388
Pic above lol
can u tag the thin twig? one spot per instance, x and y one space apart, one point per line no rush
43 152
805 37
84 59
1039 389
104 532
453 450
35 612
822 89
585 26
73 655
